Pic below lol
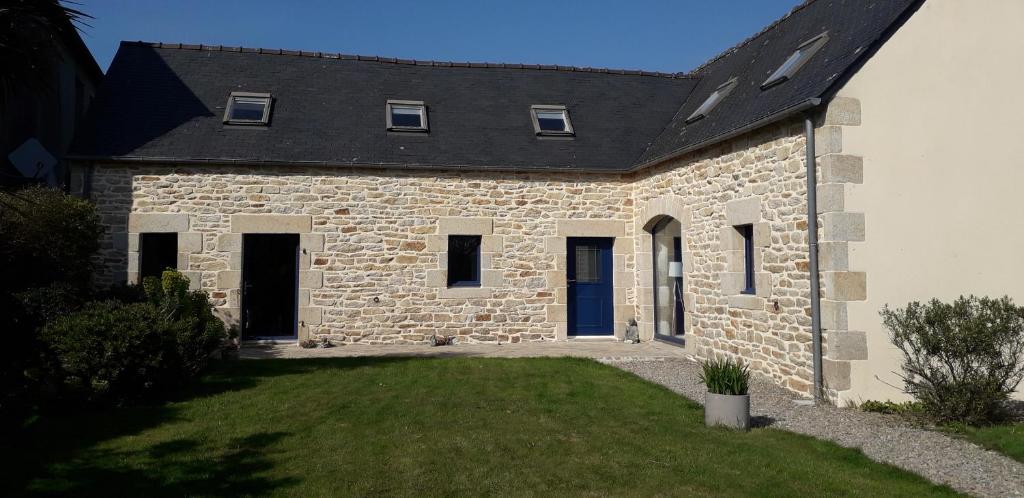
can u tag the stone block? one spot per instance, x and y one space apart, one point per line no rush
312 315
732 282
157 222
271 223
834 256
230 316
133 262
557 312
831 197
624 279
763 284
492 243
843 111
190 242
464 293
195 279
555 278
843 227
492 278
312 242
591 228
762 234
311 279
743 211
835 374
746 301
229 279
555 245
465 226
229 242
841 168
437 243
134 242
846 345
834 315
303 297
235 260
735 261
828 140
437 278
846 285
182 261
729 239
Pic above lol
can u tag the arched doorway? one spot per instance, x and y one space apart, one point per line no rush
667 265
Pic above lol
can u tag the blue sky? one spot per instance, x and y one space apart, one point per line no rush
655 35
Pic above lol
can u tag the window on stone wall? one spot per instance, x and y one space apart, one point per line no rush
464 260
157 252
747 232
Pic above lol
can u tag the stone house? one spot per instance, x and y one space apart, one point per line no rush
373 200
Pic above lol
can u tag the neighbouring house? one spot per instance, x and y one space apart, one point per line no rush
380 200
38 124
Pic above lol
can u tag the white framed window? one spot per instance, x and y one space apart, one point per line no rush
246 108
407 115
713 100
803 53
551 120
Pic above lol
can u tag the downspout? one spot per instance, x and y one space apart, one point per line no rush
812 242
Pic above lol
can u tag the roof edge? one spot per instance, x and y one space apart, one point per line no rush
410 62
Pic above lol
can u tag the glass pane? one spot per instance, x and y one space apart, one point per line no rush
410 117
464 260
248 109
588 264
668 290
551 120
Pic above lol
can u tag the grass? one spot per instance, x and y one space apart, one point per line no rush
429 427
1006 439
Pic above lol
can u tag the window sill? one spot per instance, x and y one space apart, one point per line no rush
398 129
464 293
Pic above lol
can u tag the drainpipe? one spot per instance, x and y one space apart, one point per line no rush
812 242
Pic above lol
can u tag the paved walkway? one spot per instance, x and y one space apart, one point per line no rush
608 350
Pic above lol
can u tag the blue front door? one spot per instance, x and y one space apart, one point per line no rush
589 279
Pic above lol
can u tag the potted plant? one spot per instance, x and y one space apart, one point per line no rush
727 401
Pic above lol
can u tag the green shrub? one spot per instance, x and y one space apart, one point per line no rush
111 351
725 377
892 408
47 242
961 360
108 351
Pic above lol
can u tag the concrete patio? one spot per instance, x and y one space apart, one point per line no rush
607 350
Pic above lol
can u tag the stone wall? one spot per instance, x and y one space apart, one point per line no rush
757 179
374 253
374 263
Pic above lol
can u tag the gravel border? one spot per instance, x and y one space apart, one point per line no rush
885 438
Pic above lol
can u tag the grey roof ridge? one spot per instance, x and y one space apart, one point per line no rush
411 62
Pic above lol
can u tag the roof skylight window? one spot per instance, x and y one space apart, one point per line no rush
551 120
245 108
803 53
713 100
406 115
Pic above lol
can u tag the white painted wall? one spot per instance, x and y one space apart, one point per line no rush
943 195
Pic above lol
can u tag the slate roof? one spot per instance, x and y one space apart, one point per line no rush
165 102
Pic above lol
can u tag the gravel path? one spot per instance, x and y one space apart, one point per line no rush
937 457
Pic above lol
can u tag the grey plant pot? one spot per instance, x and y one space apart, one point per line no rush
727 410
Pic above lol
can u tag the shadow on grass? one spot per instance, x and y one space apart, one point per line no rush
170 469
59 454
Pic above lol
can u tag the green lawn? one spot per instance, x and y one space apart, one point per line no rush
1006 439
438 427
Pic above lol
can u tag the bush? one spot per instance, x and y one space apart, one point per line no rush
725 377
892 408
47 242
112 351
961 360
